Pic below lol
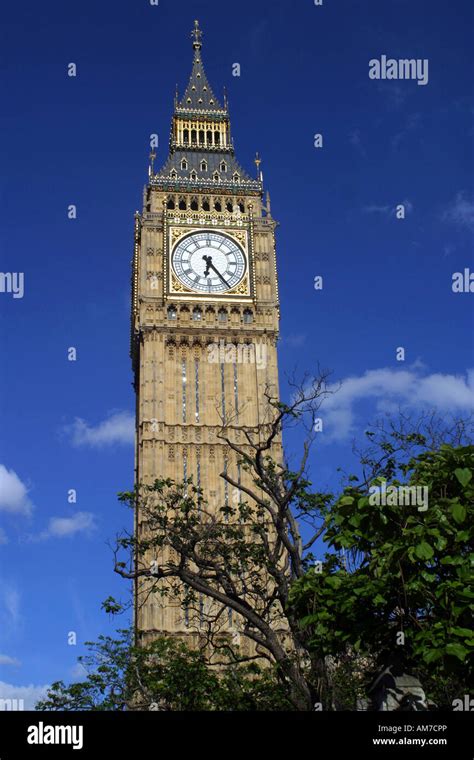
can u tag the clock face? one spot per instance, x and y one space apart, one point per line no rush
209 262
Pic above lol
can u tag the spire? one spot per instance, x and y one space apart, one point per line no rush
196 34
198 95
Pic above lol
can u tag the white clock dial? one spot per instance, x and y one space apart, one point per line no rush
209 262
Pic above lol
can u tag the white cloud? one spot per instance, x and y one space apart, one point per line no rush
6 660
388 389
29 694
65 527
13 493
119 427
460 211
9 604
388 210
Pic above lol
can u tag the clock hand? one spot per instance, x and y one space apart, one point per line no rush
220 276
208 260
210 265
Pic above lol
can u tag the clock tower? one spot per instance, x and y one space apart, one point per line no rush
205 314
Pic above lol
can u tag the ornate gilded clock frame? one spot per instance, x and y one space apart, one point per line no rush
238 227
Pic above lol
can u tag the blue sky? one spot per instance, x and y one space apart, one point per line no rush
84 141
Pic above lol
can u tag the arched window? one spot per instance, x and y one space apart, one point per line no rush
193 136
216 176
209 137
171 204
193 175
182 204
241 208
229 207
204 166
223 166
186 136
218 206
236 177
217 138
222 315
248 317
197 315
201 136
194 205
206 205
173 174
172 313
184 164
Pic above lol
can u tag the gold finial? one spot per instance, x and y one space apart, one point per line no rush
258 161
196 34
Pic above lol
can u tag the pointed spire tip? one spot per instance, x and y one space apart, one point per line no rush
196 34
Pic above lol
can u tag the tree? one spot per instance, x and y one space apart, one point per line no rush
398 586
323 627
248 555
244 556
163 676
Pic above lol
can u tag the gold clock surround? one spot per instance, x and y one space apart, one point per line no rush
175 288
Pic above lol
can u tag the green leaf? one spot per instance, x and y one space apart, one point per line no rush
424 551
346 500
432 655
457 650
459 512
464 476
466 633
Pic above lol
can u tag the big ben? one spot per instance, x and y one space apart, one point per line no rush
205 313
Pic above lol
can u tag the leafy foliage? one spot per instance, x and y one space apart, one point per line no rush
399 569
164 676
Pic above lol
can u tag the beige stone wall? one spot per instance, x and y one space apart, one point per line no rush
168 433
